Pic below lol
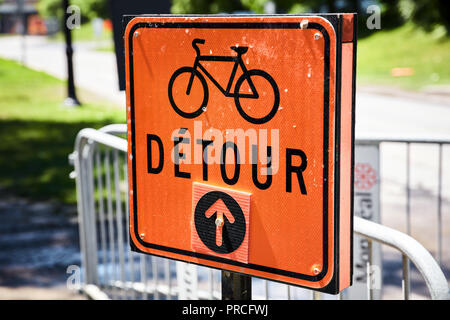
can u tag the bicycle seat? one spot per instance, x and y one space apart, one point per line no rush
239 50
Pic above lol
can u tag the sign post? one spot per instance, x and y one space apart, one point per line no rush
236 286
240 133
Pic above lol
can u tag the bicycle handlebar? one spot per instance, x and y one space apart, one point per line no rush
194 45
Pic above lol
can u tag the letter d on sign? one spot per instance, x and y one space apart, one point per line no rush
158 169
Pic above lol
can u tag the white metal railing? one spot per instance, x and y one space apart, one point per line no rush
411 251
440 143
112 270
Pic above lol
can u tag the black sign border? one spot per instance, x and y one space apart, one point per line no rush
238 25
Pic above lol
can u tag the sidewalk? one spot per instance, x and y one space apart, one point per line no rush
95 71
439 94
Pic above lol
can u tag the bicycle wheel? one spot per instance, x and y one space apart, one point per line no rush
189 71
273 110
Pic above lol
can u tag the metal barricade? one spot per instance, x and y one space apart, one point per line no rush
110 270
408 143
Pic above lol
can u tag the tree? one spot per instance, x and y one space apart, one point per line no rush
205 6
88 8
50 8
426 13
257 6
226 6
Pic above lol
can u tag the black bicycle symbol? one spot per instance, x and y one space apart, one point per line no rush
246 75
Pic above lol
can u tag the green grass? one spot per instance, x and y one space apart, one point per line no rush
86 33
405 47
38 133
107 48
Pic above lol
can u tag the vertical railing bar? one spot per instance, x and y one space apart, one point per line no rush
408 188
316 295
368 271
92 214
167 278
127 218
155 277
149 271
143 270
369 284
439 251
81 210
266 289
87 224
211 283
406 280
288 292
101 210
112 246
120 240
218 283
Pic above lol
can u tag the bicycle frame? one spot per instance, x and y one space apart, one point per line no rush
226 92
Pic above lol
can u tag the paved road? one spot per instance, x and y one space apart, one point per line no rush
37 244
401 116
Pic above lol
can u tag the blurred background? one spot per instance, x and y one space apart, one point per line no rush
403 88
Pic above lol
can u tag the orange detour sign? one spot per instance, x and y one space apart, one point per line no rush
240 132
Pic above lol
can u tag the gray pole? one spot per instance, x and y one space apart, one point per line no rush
71 99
